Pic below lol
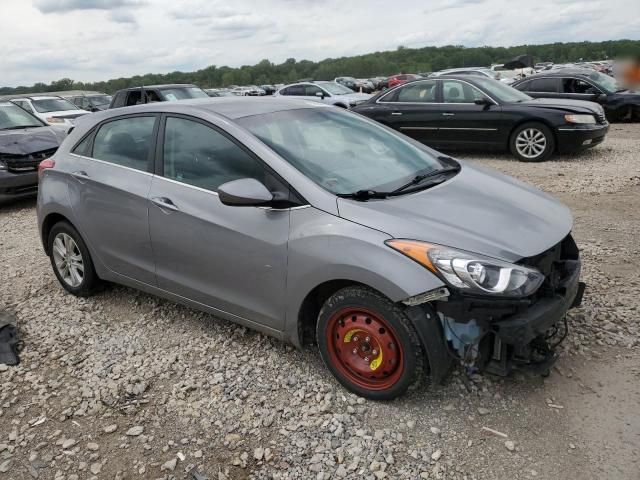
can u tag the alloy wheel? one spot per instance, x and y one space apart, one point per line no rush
531 143
68 260
364 348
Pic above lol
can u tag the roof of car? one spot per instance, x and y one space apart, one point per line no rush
230 107
168 85
563 72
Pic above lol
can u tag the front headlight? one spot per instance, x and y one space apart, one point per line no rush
588 119
470 272
55 120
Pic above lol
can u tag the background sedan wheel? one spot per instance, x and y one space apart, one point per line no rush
71 261
369 344
532 142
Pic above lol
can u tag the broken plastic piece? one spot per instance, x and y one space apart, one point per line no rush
8 339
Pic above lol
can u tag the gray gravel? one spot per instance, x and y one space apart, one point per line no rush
124 385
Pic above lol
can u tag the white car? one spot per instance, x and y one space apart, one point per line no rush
326 92
53 110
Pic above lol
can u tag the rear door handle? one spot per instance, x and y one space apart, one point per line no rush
396 113
165 203
448 114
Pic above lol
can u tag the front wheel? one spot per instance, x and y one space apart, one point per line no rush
369 344
532 142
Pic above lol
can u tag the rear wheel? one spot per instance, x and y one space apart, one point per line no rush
532 142
369 344
71 261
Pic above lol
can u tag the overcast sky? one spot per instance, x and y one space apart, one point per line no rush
87 40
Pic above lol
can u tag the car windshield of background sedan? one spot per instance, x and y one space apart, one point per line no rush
100 99
13 117
340 151
607 83
501 92
335 88
173 94
45 105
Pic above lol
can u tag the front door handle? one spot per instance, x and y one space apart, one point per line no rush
396 113
448 114
165 203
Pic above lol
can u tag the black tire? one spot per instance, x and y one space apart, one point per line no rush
549 142
90 281
408 374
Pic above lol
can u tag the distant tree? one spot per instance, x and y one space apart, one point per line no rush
403 59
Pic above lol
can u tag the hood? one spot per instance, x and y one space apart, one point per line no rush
478 210
564 104
628 94
29 140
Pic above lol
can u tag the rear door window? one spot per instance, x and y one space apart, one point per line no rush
544 85
125 142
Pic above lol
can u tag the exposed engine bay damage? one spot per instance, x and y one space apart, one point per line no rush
500 335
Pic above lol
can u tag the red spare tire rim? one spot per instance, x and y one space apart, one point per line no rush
364 348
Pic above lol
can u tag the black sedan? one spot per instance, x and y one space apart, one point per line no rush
475 112
584 84
24 142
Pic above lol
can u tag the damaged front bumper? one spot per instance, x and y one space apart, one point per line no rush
500 335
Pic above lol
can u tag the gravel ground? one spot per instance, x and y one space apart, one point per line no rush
124 385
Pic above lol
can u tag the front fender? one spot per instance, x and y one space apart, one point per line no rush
324 248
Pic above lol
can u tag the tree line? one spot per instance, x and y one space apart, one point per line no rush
401 60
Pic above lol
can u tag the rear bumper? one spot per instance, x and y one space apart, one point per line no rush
18 185
580 137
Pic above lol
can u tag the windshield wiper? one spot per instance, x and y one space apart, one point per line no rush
19 127
364 195
424 176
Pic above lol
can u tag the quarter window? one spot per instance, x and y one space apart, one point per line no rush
125 142
201 156
454 91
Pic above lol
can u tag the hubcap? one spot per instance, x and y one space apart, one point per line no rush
531 142
364 348
68 260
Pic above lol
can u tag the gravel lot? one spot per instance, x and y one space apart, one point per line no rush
124 385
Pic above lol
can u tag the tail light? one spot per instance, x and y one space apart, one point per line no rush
43 165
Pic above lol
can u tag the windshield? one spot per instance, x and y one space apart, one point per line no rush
340 151
335 88
500 91
173 94
52 105
100 99
12 116
605 82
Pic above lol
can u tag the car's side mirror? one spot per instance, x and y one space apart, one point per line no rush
320 94
601 98
483 101
246 192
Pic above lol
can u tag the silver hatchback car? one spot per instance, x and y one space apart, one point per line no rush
314 224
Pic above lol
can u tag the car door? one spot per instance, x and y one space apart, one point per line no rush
108 189
232 259
465 122
414 110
